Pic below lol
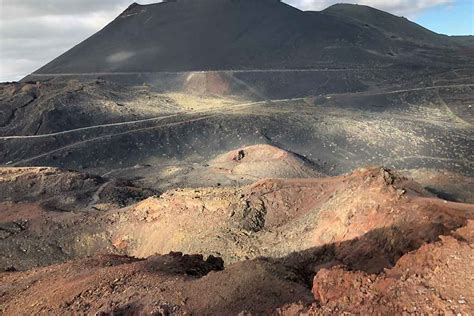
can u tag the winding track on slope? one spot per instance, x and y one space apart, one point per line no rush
230 71
224 108
203 116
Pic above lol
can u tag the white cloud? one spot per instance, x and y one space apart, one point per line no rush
34 32
14 9
15 69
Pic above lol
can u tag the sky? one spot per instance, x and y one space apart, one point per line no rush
33 32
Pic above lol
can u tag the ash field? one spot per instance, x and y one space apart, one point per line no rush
229 157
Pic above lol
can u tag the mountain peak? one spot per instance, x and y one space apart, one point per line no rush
200 35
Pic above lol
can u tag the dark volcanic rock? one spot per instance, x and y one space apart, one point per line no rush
189 35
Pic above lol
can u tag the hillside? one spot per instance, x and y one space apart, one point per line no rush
241 157
397 28
189 35
366 236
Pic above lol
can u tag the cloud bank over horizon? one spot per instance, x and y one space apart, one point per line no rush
34 32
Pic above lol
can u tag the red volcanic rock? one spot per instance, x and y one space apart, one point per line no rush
264 161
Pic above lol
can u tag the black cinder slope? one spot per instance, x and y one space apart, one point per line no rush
390 25
191 35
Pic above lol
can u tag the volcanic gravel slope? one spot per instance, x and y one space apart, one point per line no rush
204 157
430 280
263 244
47 107
169 140
65 190
188 35
394 26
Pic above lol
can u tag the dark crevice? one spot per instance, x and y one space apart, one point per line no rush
39 125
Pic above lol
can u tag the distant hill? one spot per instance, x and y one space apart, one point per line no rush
390 25
188 35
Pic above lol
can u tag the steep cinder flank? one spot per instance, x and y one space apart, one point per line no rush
394 26
189 35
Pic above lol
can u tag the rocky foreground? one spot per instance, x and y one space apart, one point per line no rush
371 241
142 172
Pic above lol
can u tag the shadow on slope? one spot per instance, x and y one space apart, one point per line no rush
178 284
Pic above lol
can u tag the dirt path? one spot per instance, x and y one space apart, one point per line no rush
96 197
222 109
81 129
430 88
108 136
205 72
